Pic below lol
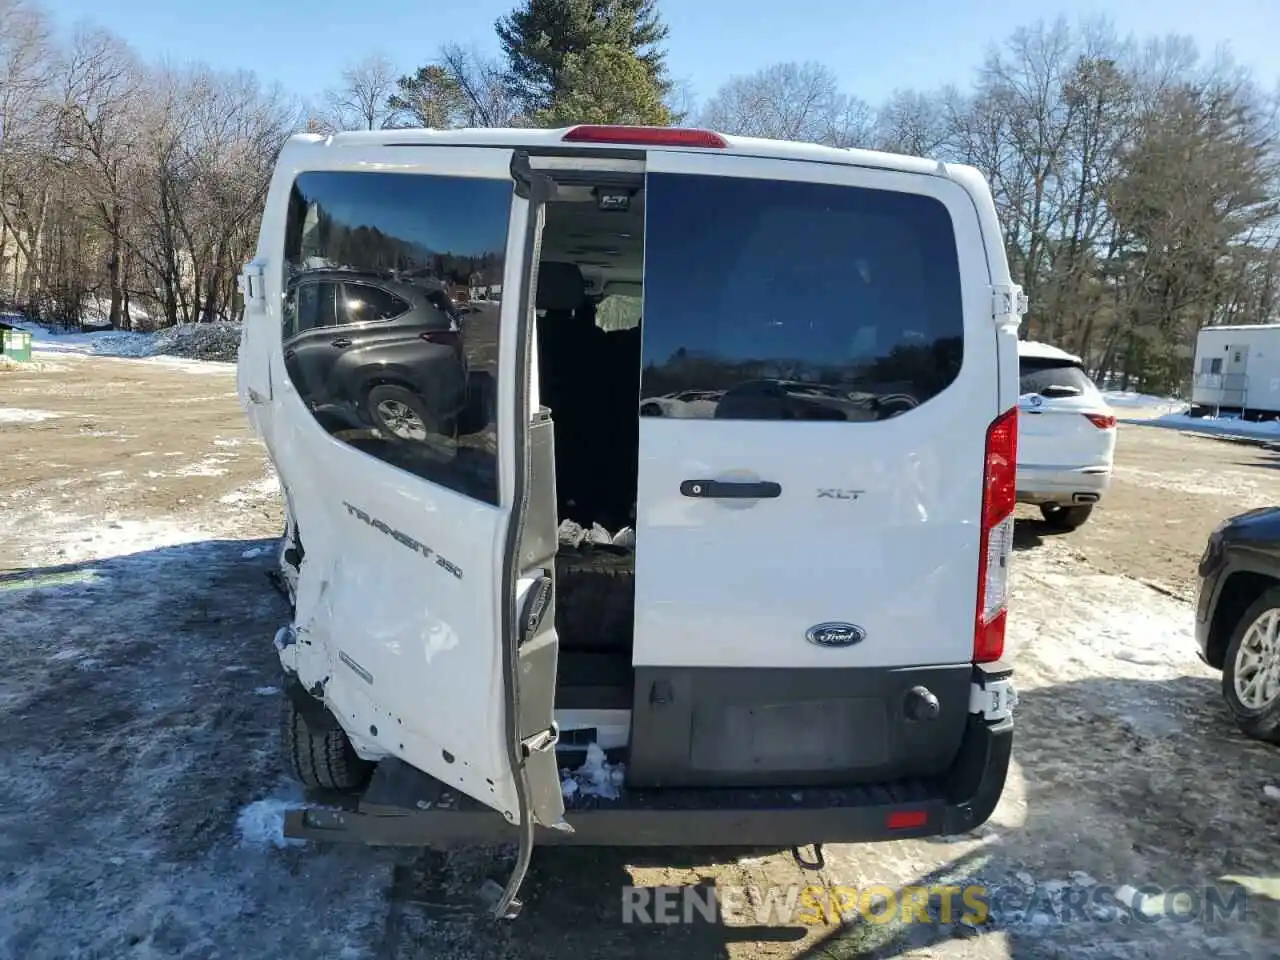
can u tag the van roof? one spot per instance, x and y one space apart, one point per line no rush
1044 351
516 137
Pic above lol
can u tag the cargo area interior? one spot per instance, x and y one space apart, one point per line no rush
589 356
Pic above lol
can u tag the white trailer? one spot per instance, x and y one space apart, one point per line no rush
1237 371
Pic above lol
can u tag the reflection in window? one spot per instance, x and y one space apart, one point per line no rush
374 340
362 303
793 300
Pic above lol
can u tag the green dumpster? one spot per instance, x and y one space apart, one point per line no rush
16 344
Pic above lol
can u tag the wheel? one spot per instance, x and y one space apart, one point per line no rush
1065 518
1251 669
318 752
400 413
650 410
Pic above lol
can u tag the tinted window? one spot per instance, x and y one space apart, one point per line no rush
1038 375
425 404
362 303
798 300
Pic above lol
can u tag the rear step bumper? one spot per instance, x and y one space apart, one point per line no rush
404 807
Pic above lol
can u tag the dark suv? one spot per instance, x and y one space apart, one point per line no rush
366 351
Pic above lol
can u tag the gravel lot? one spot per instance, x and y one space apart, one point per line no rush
141 786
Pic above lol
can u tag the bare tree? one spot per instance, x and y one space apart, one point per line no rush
790 101
102 86
359 102
460 88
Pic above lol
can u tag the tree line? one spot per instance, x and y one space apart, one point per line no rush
1135 178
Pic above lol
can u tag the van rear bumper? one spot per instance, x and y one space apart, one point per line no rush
404 807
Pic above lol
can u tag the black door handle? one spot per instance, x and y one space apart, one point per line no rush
731 489
340 342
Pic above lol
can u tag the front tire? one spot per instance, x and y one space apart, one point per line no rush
1065 518
318 752
1251 669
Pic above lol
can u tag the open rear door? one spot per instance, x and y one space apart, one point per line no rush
403 439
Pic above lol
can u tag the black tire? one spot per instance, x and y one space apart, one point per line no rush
595 598
1065 518
1260 724
319 754
392 392
650 410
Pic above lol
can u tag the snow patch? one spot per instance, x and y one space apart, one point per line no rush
595 778
266 691
218 341
1214 426
264 489
208 467
18 415
71 538
254 552
261 823
1144 401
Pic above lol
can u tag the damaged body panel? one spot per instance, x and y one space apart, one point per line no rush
404 600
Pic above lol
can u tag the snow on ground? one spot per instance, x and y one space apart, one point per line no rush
18 415
265 489
218 341
1142 406
1241 483
1216 426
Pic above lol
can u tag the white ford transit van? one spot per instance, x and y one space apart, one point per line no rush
644 486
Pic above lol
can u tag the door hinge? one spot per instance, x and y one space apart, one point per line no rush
994 699
253 284
1008 304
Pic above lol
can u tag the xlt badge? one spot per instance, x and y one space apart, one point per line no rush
839 493
835 634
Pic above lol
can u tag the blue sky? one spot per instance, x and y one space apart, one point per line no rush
874 47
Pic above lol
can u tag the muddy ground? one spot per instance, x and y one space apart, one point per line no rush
141 784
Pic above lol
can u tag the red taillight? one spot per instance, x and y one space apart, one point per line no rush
1102 421
446 338
645 136
999 497
906 819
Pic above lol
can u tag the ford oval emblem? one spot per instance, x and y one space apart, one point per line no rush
835 634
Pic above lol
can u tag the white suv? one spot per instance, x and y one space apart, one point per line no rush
800 638
1067 436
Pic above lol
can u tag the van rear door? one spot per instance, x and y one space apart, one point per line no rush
810 539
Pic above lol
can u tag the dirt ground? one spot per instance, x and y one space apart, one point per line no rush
141 783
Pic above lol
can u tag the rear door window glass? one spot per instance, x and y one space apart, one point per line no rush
425 405
1060 377
794 300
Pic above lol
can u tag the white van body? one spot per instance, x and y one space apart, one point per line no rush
804 644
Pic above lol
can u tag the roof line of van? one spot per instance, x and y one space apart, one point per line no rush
540 139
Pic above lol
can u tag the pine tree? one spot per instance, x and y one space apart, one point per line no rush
605 84
539 36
